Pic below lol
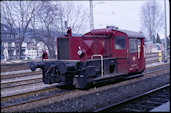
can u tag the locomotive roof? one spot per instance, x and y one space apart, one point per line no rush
131 33
107 31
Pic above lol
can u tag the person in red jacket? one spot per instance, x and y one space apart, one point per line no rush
44 55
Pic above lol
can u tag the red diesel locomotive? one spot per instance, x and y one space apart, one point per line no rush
98 55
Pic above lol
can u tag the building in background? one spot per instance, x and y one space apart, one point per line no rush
30 48
7 46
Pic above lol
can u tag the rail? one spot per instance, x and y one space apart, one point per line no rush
101 62
105 109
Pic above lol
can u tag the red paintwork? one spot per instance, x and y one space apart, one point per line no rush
74 43
102 41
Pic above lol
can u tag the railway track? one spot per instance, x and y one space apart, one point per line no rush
29 100
24 94
152 61
14 66
23 77
141 103
15 102
152 55
10 82
16 80
21 83
12 75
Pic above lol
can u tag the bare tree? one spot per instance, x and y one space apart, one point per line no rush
9 20
151 18
46 19
51 20
76 16
18 15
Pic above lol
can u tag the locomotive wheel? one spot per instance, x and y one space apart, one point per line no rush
52 75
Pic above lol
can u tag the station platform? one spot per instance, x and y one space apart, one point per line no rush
163 108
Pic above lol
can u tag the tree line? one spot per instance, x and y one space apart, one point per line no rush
43 17
152 20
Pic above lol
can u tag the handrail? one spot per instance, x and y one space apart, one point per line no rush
139 50
144 51
101 62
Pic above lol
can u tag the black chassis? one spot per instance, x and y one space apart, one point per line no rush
77 73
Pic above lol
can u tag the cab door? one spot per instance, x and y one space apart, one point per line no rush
141 54
133 55
120 52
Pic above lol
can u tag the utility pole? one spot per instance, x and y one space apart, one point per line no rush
91 15
165 32
153 23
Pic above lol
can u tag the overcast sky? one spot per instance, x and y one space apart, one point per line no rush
124 14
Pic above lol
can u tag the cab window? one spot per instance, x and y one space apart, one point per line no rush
120 42
133 45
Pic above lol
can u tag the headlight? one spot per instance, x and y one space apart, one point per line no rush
80 52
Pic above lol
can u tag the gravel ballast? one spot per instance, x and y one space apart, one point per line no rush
95 98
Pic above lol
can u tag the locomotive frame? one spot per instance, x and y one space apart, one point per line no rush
98 55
